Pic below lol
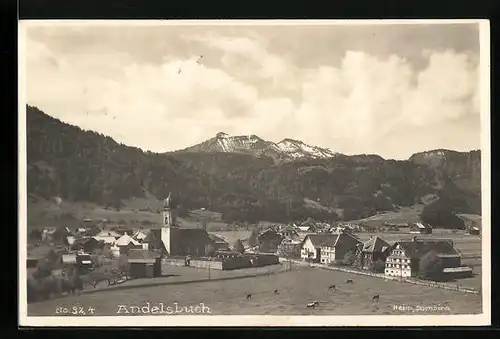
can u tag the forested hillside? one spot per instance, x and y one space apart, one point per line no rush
78 165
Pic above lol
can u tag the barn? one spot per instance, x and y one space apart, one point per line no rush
144 264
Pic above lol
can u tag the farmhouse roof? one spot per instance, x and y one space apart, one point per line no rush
476 219
125 240
154 238
217 239
83 240
106 240
422 225
418 248
322 240
375 244
267 233
139 235
106 234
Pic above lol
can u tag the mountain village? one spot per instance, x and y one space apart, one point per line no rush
62 260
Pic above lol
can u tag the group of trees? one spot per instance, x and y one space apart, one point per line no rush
441 213
73 164
431 267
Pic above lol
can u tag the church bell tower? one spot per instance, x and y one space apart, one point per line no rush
170 228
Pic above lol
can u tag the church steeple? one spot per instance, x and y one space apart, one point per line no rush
169 211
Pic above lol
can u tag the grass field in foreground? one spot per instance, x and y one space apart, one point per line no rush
296 288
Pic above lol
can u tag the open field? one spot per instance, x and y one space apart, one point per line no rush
136 212
402 215
296 288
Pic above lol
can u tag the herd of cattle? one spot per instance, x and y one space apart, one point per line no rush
43 288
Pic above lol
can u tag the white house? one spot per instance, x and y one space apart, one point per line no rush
125 243
139 236
108 237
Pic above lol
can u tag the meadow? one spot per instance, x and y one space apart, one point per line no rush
295 288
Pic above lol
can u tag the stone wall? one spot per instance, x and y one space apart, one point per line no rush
173 262
200 263
262 259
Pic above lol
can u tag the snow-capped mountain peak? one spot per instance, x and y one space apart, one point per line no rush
299 149
287 149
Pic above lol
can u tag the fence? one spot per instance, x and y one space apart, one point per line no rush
181 282
443 285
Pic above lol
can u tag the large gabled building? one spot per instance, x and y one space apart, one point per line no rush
328 248
404 260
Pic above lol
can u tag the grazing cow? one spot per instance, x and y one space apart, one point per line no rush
376 297
312 304
249 296
331 287
349 281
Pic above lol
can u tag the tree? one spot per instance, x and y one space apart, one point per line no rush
123 264
377 266
106 251
349 258
440 213
210 250
430 266
35 235
238 246
289 251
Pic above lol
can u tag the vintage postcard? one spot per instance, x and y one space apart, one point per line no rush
254 173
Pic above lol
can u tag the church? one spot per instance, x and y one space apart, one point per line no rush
176 241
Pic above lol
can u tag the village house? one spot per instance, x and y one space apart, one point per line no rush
139 236
328 248
87 245
472 223
153 242
48 234
220 244
420 228
108 237
124 244
70 240
36 254
371 251
404 260
268 241
290 248
144 264
289 232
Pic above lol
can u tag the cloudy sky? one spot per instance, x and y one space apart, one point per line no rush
392 90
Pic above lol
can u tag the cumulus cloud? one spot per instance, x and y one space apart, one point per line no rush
363 104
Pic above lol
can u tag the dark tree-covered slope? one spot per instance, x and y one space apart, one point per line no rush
78 165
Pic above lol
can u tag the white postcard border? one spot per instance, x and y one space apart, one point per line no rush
263 320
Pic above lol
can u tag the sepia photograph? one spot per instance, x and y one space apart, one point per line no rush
254 173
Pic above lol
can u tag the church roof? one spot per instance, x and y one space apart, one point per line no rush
193 236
